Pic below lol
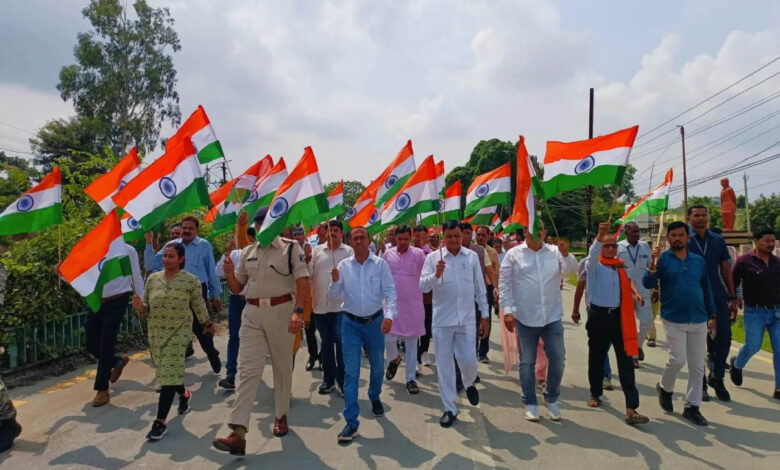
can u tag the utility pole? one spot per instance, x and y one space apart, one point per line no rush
747 204
589 189
224 172
685 173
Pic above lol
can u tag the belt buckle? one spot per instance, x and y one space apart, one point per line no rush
263 302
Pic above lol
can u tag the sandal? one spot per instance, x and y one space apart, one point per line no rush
635 418
594 402
392 368
412 387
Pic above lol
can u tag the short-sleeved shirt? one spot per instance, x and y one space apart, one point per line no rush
265 272
713 249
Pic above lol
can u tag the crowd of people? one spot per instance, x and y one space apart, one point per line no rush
389 300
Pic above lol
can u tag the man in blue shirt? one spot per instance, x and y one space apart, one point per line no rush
686 305
712 248
198 260
365 281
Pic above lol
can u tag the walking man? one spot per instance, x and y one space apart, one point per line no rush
455 277
308 322
405 264
101 327
529 293
759 274
492 286
277 284
712 248
636 258
327 314
365 282
686 305
421 239
611 320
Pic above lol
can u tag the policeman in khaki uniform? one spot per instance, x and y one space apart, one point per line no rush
277 285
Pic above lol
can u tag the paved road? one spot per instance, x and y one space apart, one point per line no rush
62 430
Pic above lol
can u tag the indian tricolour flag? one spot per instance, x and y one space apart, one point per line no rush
417 196
367 217
197 129
524 210
396 175
299 195
38 208
336 201
490 189
227 214
109 184
594 162
265 189
495 224
217 197
483 216
440 177
97 259
449 207
366 197
173 184
131 229
653 203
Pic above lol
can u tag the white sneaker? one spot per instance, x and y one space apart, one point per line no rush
425 358
532 413
553 411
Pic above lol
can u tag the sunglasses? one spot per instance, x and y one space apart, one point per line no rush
610 245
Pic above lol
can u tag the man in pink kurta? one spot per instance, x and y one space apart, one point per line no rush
406 264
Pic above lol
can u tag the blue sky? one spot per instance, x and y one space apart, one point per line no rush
356 79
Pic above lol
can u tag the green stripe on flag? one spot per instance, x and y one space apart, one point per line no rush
210 152
649 207
112 269
599 176
315 204
255 206
400 182
494 199
192 197
32 221
423 206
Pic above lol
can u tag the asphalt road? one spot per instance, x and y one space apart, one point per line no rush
62 430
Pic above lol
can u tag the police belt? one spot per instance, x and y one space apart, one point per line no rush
607 310
272 302
368 319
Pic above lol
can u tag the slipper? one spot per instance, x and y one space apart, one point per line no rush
392 368
594 402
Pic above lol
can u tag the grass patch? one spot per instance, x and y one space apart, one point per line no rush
738 334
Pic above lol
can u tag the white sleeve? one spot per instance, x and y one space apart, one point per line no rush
135 265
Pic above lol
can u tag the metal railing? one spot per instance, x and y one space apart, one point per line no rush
43 342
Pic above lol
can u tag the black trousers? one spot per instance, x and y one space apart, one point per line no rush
101 329
311 339
484 343
425 340
166 399
603 328
206 341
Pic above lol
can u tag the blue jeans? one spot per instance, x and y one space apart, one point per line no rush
329 327
527 342
355 336
236 305
758 319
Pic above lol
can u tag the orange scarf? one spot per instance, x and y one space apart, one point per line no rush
627 318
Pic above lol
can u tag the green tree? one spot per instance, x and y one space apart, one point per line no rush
124 77
352 190
487 155
765 212
17 178
74 138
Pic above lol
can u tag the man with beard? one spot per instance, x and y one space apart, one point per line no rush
686 305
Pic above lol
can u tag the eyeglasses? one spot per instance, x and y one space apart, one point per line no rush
609 245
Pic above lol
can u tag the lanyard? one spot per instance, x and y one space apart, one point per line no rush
702 250
633 257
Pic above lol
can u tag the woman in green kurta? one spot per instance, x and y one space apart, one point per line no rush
170 297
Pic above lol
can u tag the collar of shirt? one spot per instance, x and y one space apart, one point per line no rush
372 258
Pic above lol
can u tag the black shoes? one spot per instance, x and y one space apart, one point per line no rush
228 383
720 388
776 396
447 419
159 429
735 373
473 395
377 409
692 414
310 363
650 343
347 433
641 356
664 398
324 388
184 402
216 364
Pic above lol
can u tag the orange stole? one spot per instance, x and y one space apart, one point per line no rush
627 315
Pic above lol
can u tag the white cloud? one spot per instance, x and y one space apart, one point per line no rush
27 110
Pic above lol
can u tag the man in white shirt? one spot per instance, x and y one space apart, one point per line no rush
365 282
101 327
636 257
326 312
529 292
455 277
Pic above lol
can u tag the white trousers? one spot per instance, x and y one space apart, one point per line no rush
410 358
450 343
685 341
644 314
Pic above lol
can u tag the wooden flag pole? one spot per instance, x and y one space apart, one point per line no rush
59 255
549 213
660 228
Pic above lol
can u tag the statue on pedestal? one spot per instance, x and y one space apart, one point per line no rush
728 204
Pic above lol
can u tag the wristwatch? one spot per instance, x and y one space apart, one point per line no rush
298 310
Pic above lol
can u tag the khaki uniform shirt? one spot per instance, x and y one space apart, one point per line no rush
264 270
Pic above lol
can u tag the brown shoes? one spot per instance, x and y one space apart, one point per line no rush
280 426
101 398
116 372
233 444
